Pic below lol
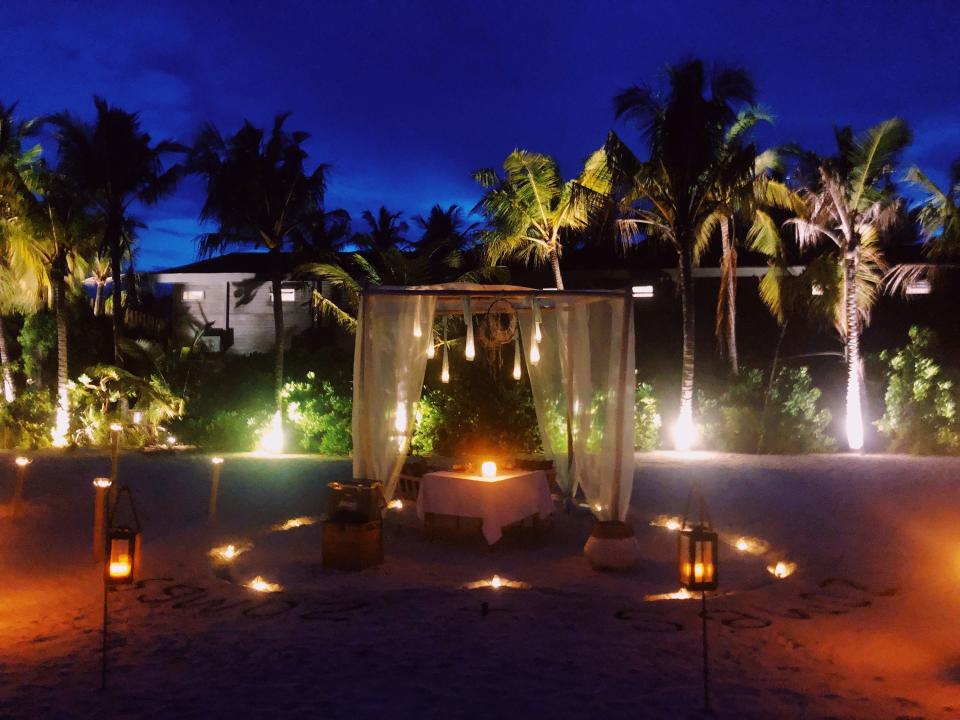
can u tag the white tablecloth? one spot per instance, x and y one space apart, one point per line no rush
500 501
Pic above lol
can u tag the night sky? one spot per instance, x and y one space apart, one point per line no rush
404 99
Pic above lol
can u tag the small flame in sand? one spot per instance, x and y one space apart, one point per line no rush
395 504
670 522
226 553
261 585
750 545
782 569
496 582
681 594
294 523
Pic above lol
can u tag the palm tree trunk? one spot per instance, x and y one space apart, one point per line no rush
555 266
9 391
683 436
730 289
98 299
59 297
852 347
276 278
116 257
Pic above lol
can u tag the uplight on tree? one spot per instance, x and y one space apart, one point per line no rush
684 431
271 438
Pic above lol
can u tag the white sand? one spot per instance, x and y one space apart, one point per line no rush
866 628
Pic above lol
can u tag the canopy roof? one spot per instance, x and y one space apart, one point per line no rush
449 296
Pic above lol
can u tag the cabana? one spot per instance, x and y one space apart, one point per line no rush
578 347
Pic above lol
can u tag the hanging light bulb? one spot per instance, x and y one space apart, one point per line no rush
534 353
470 351
431 349
537 322
445 367
417 330
516 358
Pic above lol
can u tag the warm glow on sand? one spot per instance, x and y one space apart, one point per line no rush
495 583
670 522
226 553
749 545
396 504
265 586
681 594
782 569
294 523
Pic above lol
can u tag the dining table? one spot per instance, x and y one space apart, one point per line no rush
506 498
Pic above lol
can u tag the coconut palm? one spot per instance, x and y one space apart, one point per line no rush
671 195
17 181
259 194
850 203
115 164
385 230
748 190
528 210
100 273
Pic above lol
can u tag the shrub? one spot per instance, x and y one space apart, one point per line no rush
743 419
920 402
320 411
28 421
646 433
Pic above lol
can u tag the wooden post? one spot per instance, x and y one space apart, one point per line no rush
217 463
21 473
100 486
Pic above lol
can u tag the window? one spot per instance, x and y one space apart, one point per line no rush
287 294
192 295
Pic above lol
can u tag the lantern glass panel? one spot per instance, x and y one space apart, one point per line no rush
698 559
122 559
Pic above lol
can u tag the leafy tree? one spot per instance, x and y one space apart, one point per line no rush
115 164
259 194
385 231
850 203
672 194
529 210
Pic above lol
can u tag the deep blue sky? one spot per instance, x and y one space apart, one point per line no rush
404 99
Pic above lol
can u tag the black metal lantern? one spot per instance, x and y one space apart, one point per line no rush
123 545
698 547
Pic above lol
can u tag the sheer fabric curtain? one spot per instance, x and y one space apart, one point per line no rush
390 358
585 376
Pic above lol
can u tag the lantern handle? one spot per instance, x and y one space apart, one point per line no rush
124 490
695 489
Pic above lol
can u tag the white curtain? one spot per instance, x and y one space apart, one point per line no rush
390 358
583 392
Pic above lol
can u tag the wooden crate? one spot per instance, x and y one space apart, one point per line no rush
352 546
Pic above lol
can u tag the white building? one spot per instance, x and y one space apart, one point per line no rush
231 297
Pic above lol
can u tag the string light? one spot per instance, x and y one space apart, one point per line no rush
516 358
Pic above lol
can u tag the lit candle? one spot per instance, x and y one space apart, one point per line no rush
488 469
120 568
698 570
496 583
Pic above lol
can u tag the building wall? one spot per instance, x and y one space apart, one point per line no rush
245 307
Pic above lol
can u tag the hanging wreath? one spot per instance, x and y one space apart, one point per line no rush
497 327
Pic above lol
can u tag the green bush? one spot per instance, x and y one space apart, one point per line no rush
920 402
647 423
27 422
320 412
37 338
743 419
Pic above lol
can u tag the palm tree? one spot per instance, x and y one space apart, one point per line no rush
850 202
115 164
528 210
259 193
17 181
100 273
673 193
386 230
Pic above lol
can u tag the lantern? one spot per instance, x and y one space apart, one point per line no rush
698 558
697 550
123 545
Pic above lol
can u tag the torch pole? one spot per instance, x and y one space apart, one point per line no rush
103 658
706 666
114 460
21 473
214 489
100 486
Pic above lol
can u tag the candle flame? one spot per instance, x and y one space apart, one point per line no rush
102 482
23 461
226 553
396 504
294 523
750 545
120 568
783 569
265 586
116 427
496 583
217 460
